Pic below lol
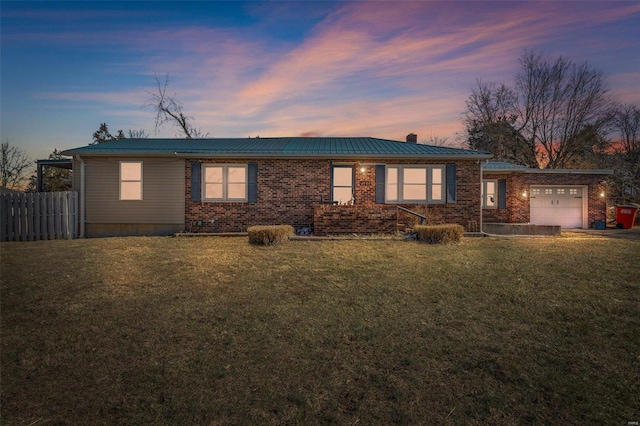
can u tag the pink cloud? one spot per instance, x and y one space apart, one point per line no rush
368 68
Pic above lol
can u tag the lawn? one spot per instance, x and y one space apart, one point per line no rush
216 331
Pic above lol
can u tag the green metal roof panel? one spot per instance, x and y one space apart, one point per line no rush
502 165
285 147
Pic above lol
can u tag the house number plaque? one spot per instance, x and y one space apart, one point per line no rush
365 183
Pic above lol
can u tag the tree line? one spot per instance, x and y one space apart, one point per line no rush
557 115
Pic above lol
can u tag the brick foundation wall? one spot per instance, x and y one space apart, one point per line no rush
518 208
363 219
290 192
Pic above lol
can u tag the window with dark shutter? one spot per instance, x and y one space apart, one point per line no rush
502 193
195 181
253 183
452 183
380 187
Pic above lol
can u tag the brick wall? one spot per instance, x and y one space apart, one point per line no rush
357 219
287 192
290 190
517 210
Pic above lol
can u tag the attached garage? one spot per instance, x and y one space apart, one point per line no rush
559 205
569 198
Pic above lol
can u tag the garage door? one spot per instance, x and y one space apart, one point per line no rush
557 206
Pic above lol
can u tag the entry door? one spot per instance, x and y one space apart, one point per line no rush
342 184
557 206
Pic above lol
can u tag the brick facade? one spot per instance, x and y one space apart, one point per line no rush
291 192
518 209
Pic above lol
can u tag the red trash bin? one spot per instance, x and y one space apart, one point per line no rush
625 216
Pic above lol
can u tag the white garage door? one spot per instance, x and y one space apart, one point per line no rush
557 206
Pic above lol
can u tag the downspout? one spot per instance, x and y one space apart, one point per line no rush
481 196
82 191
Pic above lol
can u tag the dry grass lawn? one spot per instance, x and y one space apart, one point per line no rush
217 331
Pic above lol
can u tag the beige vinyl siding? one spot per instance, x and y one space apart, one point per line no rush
163 184
75 176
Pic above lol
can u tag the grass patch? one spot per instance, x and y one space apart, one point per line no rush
216 331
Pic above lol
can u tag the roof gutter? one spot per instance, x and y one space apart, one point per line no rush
570 171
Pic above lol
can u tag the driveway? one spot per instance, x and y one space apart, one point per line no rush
629 234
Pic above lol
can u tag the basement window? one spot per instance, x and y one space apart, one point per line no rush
131 180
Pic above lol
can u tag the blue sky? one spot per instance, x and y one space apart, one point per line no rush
381 69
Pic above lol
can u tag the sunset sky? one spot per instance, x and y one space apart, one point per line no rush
380 69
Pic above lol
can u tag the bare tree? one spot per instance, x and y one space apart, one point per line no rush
436 140
554 104
626 122
138 134
14 166
625 159
169 110
490 122
559 101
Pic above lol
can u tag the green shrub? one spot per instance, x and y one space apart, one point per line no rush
268 235
439 234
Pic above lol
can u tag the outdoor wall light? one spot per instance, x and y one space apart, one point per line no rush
363 169
602 194
524 194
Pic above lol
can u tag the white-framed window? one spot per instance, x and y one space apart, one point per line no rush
342 184
224 182
131 180
415 184
490 194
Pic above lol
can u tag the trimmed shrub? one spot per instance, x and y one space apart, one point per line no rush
439 234
269 235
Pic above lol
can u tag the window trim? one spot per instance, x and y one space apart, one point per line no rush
225 183
139 181
428 168
484 194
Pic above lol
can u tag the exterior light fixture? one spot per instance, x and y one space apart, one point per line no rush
602 194
363 169
524 194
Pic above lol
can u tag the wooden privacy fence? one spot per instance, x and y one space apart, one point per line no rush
38 216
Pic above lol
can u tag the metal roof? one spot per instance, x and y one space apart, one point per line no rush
296 147
502 166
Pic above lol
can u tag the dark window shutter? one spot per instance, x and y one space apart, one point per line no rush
502 193
252 178
380 181
195 181
452 183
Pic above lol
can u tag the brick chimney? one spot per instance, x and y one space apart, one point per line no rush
412 138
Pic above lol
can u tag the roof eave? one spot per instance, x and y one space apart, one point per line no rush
339 156
197 155
503 171
571 171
